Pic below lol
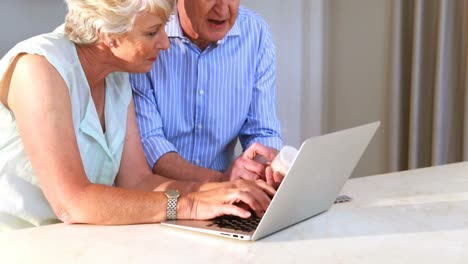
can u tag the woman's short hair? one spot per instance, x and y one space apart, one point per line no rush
117 17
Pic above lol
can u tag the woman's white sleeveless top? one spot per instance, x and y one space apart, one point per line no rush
22 202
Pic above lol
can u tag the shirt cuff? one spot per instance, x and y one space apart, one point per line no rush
155 148
272 142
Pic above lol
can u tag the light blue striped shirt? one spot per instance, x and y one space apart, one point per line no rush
197 103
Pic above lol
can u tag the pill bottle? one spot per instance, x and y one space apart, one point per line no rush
284 159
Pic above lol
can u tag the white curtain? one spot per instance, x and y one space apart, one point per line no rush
429 98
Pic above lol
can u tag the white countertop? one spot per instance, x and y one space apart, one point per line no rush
418 216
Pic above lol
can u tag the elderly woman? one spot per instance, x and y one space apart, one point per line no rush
70 149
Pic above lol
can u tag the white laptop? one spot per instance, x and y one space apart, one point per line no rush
310 187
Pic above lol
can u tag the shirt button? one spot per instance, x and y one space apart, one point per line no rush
197 161
200 126
202 92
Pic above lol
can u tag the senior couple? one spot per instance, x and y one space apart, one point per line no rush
78 146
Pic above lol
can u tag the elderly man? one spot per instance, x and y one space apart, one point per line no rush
214 85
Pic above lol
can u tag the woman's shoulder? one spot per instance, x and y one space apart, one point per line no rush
54 46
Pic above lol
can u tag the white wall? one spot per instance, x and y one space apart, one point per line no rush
359 44
21 19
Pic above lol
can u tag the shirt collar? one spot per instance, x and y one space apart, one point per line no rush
174 30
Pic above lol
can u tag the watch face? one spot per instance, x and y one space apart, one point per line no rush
172 193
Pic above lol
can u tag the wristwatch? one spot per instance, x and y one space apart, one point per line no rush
172 196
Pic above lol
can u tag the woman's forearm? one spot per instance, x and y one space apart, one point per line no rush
104 205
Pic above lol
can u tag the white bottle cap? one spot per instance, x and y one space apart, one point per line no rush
284 159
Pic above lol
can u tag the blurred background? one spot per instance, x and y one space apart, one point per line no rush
343 63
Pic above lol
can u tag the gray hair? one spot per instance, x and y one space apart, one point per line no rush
117 17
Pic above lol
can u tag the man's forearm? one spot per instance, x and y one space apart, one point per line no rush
172 165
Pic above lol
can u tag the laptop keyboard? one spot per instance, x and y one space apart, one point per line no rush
237 223
251 223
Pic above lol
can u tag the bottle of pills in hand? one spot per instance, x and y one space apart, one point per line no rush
284 159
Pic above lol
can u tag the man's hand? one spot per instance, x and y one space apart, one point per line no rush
273 178
251 164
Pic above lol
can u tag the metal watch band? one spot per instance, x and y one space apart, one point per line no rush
171 213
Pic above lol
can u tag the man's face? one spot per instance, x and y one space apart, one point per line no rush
207 21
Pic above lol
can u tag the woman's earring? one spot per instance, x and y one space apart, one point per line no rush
111 44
